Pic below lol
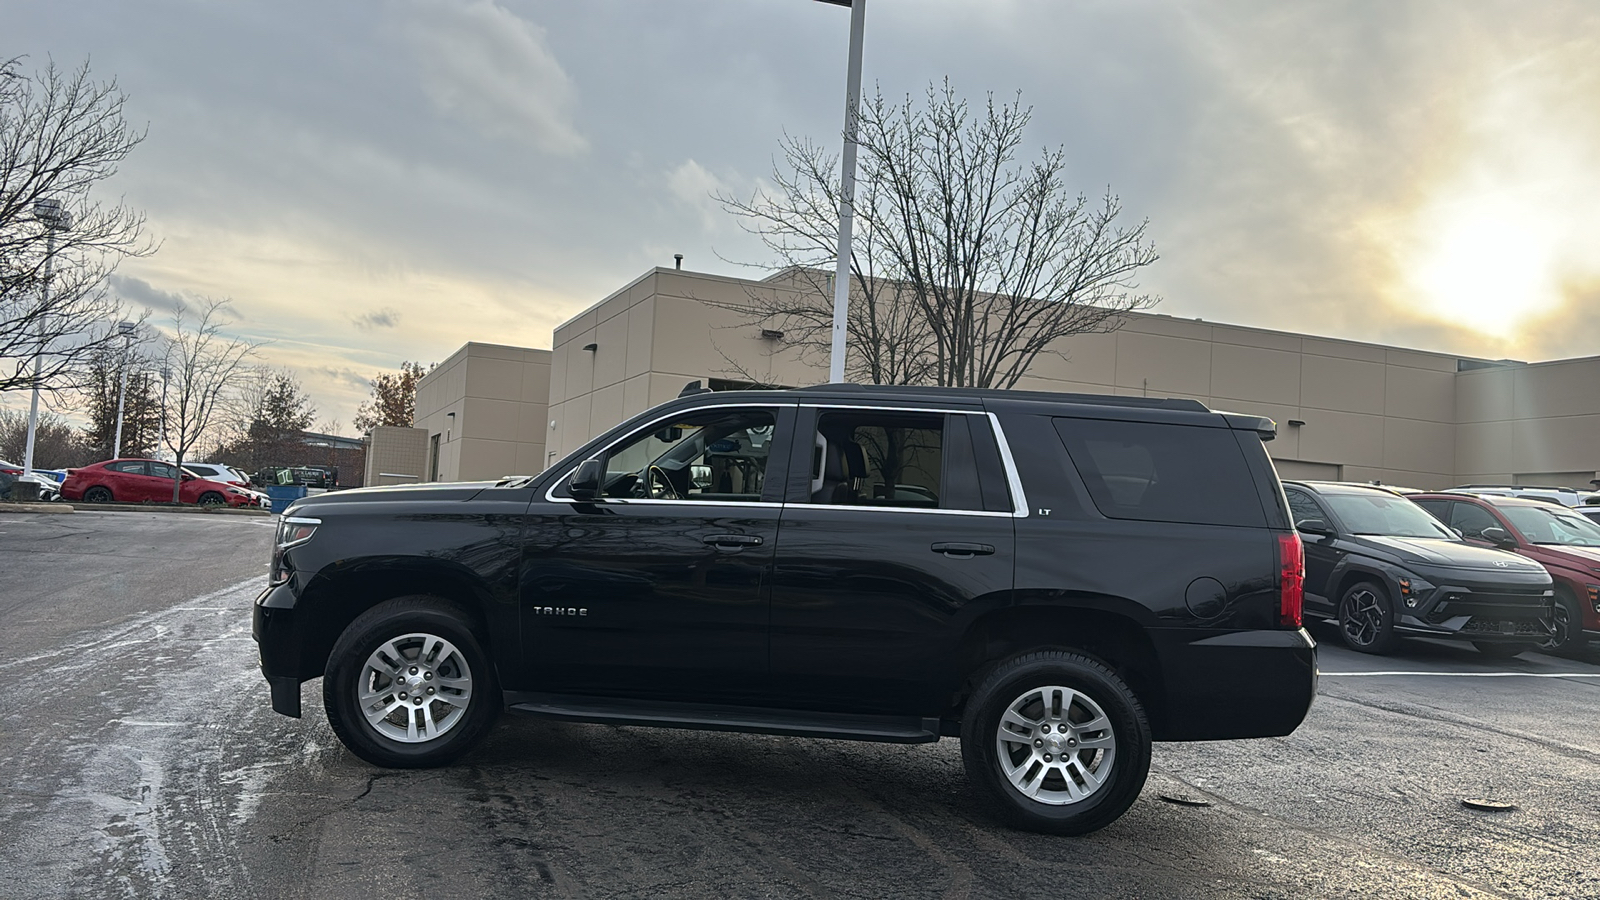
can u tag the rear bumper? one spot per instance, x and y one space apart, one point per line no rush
1242 684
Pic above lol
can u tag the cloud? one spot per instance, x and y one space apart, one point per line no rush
697 187
142 293
484 65
387 317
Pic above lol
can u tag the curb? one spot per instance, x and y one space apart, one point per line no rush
167 508
62 507
12 506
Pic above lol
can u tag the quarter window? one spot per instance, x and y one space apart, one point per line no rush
1159 472
711 455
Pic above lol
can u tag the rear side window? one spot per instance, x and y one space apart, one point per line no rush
1157 472
132 467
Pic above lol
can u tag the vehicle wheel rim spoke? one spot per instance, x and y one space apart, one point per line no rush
1055 745
415 688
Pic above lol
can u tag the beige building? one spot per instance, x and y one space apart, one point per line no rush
483 410
1345 409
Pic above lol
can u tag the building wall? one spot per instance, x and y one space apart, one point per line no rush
1369 412
487 405
396 455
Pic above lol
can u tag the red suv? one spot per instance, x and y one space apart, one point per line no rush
1564 542
146 481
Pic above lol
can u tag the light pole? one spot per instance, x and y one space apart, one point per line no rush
847 187
55 219
126 330
166 375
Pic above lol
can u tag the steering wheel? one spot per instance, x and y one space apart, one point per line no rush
657 486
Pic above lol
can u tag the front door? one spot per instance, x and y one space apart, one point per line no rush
659 587
883 557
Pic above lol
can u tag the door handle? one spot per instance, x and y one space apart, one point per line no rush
733 540
962 549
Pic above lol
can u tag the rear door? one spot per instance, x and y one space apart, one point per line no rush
897 531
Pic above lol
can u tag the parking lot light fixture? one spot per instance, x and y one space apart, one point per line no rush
126 329
847 187
54 218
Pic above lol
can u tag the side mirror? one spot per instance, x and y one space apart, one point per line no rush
1313 526
585 482
187 477
1498 536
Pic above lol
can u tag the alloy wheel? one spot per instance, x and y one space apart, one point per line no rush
414 688
1055 745
1363 617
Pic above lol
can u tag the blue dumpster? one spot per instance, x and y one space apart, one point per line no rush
284 494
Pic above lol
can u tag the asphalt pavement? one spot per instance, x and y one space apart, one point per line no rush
144 761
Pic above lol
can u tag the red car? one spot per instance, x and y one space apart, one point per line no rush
146 481
1565 543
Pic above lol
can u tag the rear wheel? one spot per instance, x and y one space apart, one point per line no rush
408 685
97 494
1056 742
1497 650
1566 626
1366 621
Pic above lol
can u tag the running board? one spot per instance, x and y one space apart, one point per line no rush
706 717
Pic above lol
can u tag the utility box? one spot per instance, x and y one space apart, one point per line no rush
396 455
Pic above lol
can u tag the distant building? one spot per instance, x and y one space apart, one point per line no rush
484 412
1346 410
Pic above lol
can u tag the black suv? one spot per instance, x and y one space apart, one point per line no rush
1385 567
1057 579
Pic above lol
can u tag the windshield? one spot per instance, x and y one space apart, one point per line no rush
1553 526
1386 515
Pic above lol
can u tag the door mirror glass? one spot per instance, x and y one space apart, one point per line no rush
585 482
1313 526
1498 536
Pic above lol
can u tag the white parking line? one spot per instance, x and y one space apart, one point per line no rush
1466 674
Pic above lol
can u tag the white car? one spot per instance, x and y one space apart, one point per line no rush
49 488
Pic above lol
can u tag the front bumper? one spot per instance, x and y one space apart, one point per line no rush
1482 616
276 628
1241 684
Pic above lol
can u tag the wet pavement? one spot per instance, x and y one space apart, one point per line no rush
144 761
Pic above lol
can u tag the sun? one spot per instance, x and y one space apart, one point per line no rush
1488 262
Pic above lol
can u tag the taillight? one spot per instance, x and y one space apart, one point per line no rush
1291 579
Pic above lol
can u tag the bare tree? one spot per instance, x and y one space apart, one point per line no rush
208 368
61 135
967 264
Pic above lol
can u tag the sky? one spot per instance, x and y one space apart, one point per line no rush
383 181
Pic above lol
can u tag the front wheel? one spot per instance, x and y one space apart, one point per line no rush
408 686
1056 742
212 498
1365 620
1566 626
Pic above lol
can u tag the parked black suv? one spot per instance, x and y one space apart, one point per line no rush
1057 579
1384 567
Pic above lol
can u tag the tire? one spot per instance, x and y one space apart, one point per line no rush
435 634
1023 698
212 498
1366 618
1566 620
97 494
1499 650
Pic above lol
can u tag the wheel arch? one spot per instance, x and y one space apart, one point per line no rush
334 600
1111 636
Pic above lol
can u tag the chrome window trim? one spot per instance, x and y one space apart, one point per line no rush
1019 499
550 492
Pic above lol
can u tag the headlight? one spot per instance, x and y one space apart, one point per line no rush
292 532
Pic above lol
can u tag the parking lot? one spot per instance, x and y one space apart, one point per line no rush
144 761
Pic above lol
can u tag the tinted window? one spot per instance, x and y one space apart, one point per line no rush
1439 509
131 467
1471 520
1301 506
1163 473
710 455
878 458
